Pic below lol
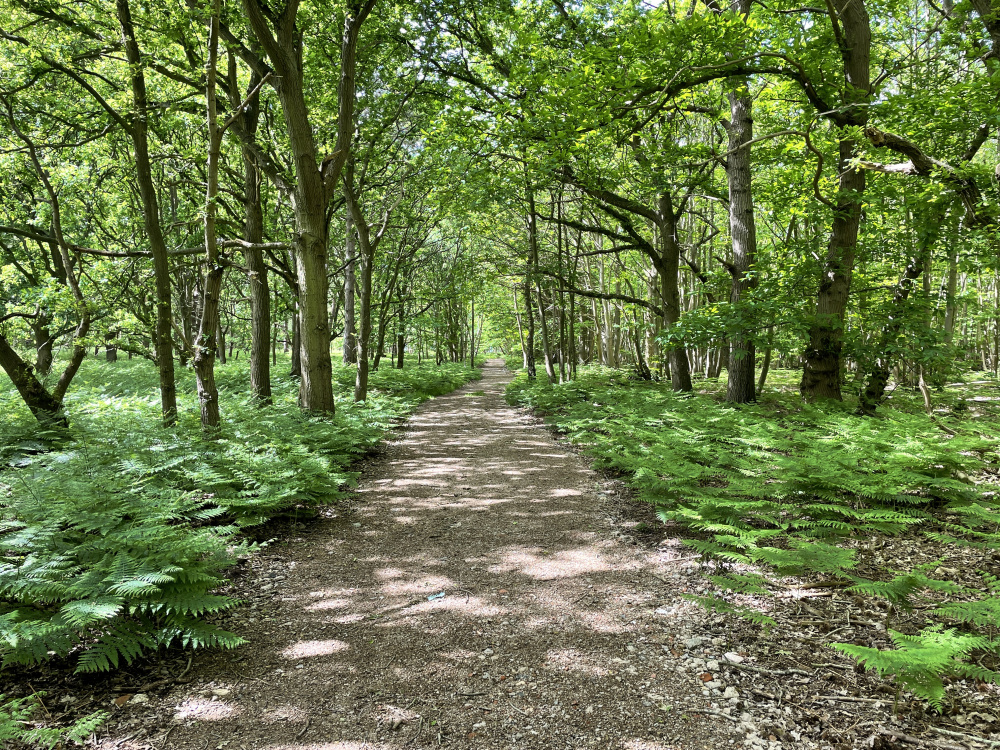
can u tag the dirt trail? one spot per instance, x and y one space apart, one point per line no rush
476 597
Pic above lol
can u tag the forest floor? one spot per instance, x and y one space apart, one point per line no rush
486 589
473 595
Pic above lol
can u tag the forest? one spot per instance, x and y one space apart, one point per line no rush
745 257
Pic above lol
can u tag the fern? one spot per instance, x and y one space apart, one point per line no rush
716 604
744 583
113 539
983 613
807 556
921 662
785 493
900 589
15 725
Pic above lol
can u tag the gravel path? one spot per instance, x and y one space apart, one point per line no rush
485 589
475 597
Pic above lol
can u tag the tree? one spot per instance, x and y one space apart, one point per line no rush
315 179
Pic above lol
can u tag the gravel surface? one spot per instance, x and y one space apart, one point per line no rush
474 596
486 589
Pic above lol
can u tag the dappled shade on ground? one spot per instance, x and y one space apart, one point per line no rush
473 599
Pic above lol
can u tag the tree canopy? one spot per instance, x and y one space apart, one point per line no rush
339 190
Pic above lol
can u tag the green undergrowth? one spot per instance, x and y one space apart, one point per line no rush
783 488
114 535
18 724
513 362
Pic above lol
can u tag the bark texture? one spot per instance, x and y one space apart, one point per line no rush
743 230
365 332
47 409
821 375
253 232
350 324
43 343
529 324
138 127
209 339
667 268
315 179
533 260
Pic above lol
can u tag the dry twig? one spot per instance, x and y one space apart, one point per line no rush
966 737
305 728
710 712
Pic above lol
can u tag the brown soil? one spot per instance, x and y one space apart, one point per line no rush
485 589
475 595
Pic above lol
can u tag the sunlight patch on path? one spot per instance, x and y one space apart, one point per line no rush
468 597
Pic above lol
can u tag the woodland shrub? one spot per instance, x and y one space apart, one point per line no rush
16 724
514 362
113 536
784 488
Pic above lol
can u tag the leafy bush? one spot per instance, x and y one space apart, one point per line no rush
514 362
113 537
15 721
921 662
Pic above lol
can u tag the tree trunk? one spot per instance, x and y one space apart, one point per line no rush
367 245
743 230
296 348
350 325
47 409
209 342
43 344
562 295
472 335
529 320
401 335
550 371
669 265
220 340
315 179
520 330
533 260
641 368
138 129
821 374
573 353
186 305
260 296
713 364
110 350
316 384
379 349
365 327
253 232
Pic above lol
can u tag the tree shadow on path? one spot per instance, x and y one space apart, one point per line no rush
476 599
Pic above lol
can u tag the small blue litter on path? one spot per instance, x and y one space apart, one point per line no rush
432 597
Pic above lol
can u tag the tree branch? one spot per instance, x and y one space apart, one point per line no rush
567 287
